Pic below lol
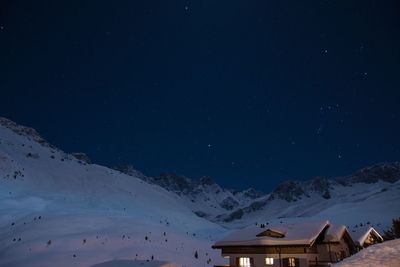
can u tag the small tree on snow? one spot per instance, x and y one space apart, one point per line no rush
394 231
196 255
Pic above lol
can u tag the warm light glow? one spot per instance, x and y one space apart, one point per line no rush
244 262
292 262
269 261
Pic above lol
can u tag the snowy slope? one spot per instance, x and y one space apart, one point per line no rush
386 254
56 208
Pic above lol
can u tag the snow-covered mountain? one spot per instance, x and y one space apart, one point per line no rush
59 207
342 199
370 195
204 197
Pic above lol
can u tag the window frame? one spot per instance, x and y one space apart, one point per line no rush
244 262
292 262
269 261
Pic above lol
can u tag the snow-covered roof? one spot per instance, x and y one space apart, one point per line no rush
299 233
384 254
335 233
360 235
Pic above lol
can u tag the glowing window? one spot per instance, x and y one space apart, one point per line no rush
244 262
269 261
292 262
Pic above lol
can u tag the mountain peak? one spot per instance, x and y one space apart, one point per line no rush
82 157
130 170
206 180
252 193
387 172
28 132
289 191
174 182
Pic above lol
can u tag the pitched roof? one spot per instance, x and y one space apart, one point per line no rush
272 233
335 233
300 233
360 235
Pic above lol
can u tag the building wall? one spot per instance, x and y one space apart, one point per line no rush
318 254
259 259
333 251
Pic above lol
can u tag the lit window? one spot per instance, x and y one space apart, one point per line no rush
269 261
292 262
244 262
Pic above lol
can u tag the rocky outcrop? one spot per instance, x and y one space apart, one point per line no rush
289 191
28 132
387 172
132 171
82 157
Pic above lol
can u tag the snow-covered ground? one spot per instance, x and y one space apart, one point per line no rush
135 263
386 254
58 211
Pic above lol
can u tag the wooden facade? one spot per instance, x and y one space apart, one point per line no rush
283 256
320 252
268 249
372 238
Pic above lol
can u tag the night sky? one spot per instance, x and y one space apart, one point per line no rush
251 93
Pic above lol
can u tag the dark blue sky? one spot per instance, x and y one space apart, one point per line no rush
249 92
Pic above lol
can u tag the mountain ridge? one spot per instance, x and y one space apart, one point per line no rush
234 207
207 199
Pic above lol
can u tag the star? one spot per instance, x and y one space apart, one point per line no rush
186 8
209 145
319 131
339 156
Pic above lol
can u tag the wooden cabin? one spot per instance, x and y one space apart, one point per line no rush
301 244
365 236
